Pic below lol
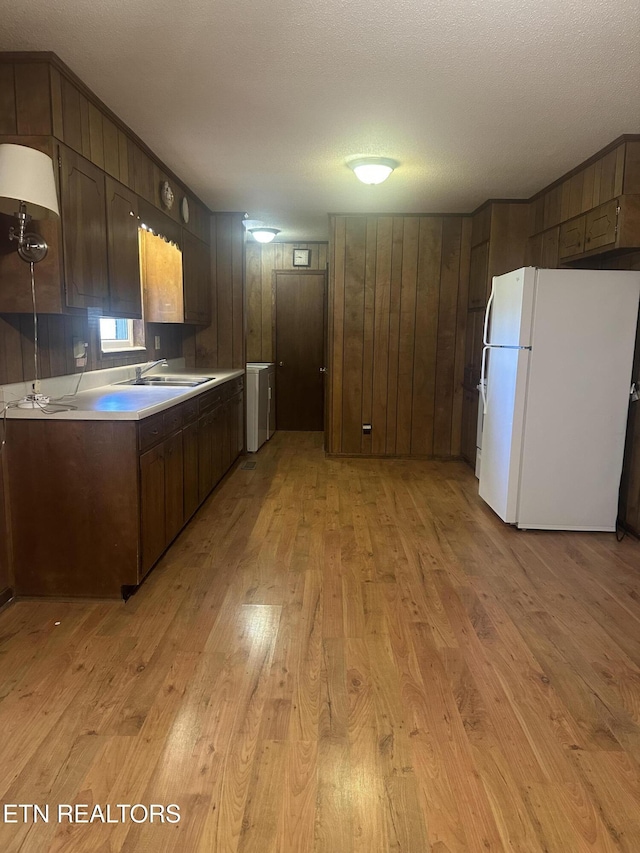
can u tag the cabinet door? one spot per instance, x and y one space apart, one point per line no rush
571 238
196 277
217 442
227 428
152 505
190 468
549 254
84 228
601 225
125 295
238 446
205 473
478 276
173 486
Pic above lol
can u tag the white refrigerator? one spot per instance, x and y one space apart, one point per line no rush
556 374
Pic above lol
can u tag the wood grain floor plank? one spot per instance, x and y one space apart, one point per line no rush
338 656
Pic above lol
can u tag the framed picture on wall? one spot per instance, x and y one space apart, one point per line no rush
302 257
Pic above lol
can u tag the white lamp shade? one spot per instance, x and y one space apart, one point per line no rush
27 175
264 235
373 170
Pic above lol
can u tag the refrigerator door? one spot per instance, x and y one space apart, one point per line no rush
577 399
503 429
510 309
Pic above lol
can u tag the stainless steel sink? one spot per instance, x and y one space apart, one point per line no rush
164 380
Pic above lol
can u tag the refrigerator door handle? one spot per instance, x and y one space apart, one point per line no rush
487 313
483 379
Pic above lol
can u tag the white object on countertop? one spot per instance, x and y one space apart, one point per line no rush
560 345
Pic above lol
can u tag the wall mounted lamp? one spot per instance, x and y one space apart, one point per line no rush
373 170
27 183
264 235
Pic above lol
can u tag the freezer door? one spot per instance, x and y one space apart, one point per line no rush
502 430
510 309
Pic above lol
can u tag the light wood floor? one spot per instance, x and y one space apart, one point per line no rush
338 656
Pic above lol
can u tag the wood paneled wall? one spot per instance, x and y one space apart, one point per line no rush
55 343
397 314
261 262
222 344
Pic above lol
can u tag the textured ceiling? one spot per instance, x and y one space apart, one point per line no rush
258 105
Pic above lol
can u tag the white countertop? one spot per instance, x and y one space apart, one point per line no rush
127 402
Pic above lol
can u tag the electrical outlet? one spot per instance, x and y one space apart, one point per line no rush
79 348
157 342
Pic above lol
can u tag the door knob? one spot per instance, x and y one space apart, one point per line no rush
281 364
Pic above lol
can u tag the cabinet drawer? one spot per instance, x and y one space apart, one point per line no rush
150 431
190 411
172 419
572 238
210 399
601 225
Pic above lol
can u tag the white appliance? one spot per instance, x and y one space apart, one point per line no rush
557 359
260 404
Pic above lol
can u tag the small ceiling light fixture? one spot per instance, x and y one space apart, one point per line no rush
264 235
373 170
251 223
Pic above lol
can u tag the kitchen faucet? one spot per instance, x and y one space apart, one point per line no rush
141 370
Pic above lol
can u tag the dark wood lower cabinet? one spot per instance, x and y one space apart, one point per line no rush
152 504
190 469
94 504
173 486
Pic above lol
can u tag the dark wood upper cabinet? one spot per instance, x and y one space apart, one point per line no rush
196 279
601 225
612 227
84 226
571 238
125 296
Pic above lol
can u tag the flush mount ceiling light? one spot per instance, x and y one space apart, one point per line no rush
373 170
264 235
251 223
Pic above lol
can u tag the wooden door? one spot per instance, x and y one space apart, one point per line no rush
125 294
84 228
300 301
